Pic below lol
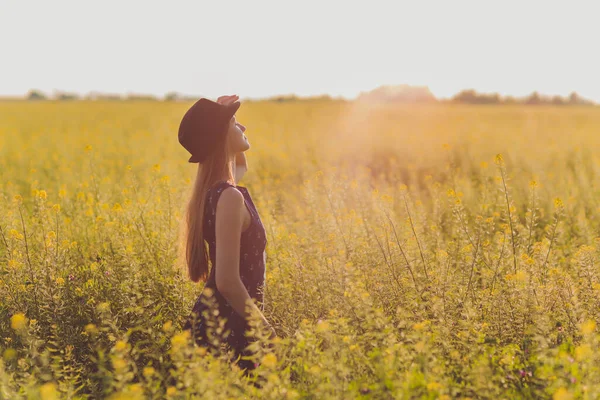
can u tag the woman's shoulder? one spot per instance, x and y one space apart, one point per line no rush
231 194
229 207
225 193
217 188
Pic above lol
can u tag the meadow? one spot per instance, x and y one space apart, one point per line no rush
414 252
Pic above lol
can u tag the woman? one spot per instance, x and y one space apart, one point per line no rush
222 214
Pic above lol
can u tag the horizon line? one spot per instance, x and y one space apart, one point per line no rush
180 95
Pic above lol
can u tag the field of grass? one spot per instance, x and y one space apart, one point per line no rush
430 252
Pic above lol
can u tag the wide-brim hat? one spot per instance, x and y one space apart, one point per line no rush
204 126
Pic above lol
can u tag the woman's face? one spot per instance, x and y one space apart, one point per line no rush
237 139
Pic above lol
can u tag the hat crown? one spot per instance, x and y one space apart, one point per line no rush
203 126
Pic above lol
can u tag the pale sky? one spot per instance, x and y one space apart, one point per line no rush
257 48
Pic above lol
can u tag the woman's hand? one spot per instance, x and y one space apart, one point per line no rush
228 99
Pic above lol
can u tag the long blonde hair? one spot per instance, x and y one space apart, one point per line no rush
216 165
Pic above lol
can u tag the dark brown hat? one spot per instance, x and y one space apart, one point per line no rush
203 126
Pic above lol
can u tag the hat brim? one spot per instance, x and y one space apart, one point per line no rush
232 108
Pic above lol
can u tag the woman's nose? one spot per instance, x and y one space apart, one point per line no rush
242 127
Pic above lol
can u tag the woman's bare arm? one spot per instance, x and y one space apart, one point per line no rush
229 222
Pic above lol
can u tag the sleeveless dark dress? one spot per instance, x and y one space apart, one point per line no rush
253 242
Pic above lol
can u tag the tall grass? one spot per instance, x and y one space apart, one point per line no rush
413 252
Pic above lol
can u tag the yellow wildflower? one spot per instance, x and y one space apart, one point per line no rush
18 321
48 391
520 276
9 354
91 328
200 350
14 234
322 326
582 352
558 203
119 363
562 394
269 360
180 339
588 327
420 325
120 345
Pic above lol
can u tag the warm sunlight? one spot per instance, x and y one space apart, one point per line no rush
291 200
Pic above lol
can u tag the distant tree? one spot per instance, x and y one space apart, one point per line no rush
465 96
172 96
493 98
36 95
111 97
470 96
323 97
534 98
398 94
91 96
143 97
66 96
283 98
574 98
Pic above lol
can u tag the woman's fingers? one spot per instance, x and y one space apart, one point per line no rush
228 99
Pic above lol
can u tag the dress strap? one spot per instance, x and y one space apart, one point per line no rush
213 194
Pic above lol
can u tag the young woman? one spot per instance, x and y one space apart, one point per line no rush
222 214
